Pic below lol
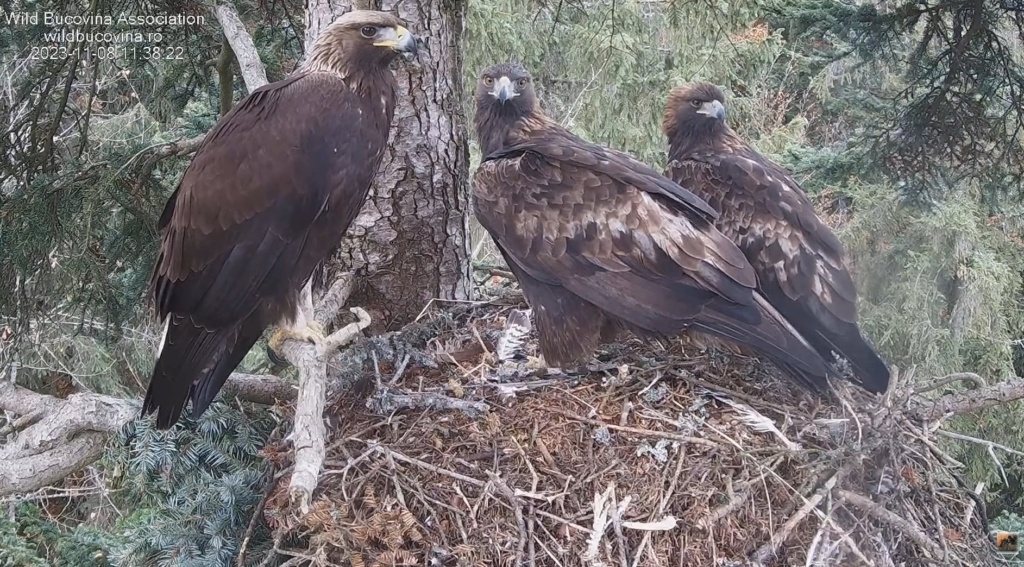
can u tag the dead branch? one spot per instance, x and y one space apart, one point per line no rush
388 400
881 514
248 58
64 436
937 383
258 389
972 401
225 76
769 550
70 435
181 147
309 431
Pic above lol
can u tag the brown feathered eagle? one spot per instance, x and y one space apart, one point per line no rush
269 194
601 242
800 263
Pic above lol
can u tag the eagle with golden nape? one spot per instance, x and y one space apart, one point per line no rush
268 195
800 264
602 243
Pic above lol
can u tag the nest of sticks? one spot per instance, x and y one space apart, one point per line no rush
456 451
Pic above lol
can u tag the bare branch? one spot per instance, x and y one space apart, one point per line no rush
309 431
67 435
973 400
248 58
181 147
258 389
70 435
883 515
390 400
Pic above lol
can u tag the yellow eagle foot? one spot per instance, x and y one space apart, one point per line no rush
312 332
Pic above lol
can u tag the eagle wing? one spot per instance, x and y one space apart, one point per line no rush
799 262
581 232
768 215
236 229
248 223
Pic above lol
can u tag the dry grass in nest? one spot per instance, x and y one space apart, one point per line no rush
668 455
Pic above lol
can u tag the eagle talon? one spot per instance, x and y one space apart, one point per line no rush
312 333
536 363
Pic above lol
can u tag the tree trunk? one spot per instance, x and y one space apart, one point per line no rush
409 243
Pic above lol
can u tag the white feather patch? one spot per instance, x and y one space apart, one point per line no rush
517 329
163 336
754 419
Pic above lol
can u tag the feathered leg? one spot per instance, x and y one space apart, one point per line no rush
302 328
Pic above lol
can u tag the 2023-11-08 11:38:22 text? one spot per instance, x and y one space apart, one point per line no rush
121 52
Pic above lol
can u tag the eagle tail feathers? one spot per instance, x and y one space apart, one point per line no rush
184 357
206 389
775 339
868 369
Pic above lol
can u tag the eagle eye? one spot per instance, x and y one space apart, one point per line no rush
695 103
488 81
368 31
521 83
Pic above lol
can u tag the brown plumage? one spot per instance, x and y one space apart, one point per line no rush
268 195
800 263
601 242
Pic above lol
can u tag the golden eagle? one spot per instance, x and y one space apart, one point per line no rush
269 194
601 242
800 264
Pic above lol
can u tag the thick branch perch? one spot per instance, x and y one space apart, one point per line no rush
248 58
71 433
309 431
973 400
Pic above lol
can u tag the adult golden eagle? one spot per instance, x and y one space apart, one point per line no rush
601 242
269 194
799 262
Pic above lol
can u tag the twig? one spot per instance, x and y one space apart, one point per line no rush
346 334
635 430
601 511
972 401
563 521
256 513
937 383
883 515
334 299
20 423
734 503
424 465
389 400
983 442
771 548
517 508
617 526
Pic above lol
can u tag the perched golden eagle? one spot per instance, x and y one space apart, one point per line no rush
799 262
601 242
269 194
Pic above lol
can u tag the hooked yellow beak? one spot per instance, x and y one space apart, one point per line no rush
399 39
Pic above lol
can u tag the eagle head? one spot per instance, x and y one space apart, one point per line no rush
362 39
694 109
507 86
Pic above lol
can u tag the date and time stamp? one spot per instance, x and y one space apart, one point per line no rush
120 37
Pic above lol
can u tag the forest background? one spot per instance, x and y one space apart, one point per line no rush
901 119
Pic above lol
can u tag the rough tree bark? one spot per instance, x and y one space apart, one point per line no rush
410 242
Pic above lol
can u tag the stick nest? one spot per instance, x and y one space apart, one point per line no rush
654 455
